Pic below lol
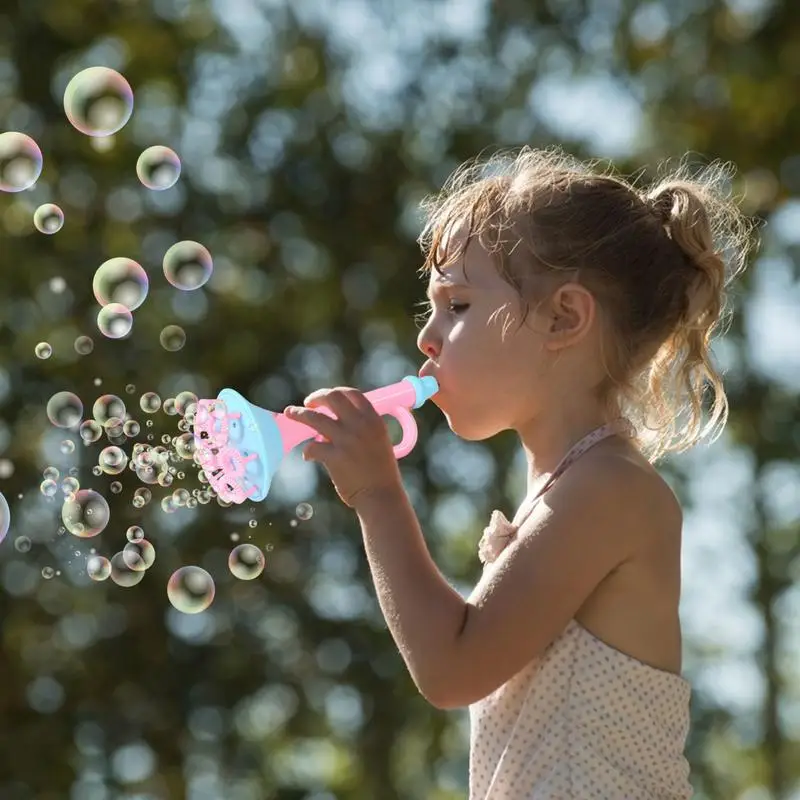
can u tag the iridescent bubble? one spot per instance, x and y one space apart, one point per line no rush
131 428
84 345
90 431
130 389
64 409
304 511
172 338
191 590
48 218
67 447
69 486
22 544
85 513
120 280
168 505
139 555
134 533
180 496
98 568
169 406
187 265
183 400
185 446
48 488
107 407
20 162
5 517
114 321
98 101
246 562
112 460
158 168
48 572
144 494
43 350
116 487
149 402
122 574
51 474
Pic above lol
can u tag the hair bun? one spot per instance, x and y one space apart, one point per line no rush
661 204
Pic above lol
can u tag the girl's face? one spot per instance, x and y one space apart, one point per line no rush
487 384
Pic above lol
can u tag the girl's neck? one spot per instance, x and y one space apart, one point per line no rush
547 438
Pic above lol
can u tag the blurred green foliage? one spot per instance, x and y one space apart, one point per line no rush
308 133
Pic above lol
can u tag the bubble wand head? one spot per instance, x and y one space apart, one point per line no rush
240 446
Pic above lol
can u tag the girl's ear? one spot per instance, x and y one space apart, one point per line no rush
571 311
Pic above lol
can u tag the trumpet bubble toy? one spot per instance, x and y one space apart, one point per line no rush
240 446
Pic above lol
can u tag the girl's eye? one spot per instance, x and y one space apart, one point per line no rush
458 308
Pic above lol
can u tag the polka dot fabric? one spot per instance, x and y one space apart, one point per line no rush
583 721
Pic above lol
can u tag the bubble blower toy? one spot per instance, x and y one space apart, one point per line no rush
240 446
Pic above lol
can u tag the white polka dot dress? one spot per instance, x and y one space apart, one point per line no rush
583 721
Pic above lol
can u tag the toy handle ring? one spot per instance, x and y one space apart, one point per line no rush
407 423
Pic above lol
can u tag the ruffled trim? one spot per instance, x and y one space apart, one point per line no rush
497 535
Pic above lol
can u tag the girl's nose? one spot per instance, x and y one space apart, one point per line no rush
425 343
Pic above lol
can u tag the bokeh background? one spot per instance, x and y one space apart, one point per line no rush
308 131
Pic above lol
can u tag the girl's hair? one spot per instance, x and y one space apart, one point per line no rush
657 260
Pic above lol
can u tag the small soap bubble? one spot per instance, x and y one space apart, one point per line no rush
84 345
48 572
20 162
51 474
172 338
43 350
97 381
112 460
253 523
139 555
96 470
169 407
191 590
64 409
67 446
22 544
158 168
90 430
48 488
122 574
168 505
166 438
98 568
246 562
57 284
48 218
115 487
187 265
304 511
131 428
120 280
180 496
108 407
69 486
134 533
145 494
185 446
98 101
130 389
85 513
114 321
149 402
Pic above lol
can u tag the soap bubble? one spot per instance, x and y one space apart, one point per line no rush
116 487
246 562
139 555
120 280
183 400
185 446
190 590
64 409
69 486
22 544
172 338
304 511
20 162
98 568
134 533
107 407
158 168
51 474
43 350
122 574
114 321
98 101
149 402
131 428
67 447
48 218
48 572
84 345
85 513
112 460
90 431
141 497
187 265
5 517
48 488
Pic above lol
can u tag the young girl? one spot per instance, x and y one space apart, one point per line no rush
576 309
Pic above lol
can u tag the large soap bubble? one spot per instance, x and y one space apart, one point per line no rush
20 162
246 561
98 101
187 265
191 590
114 321
120 280
64 409
85 513
5 517
158 168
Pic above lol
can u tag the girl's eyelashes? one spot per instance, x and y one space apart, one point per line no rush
452 307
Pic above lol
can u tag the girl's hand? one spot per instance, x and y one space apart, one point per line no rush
357 450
